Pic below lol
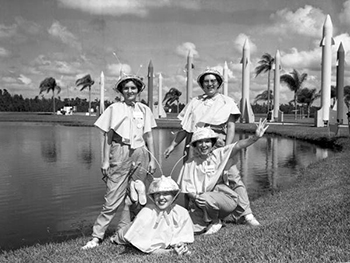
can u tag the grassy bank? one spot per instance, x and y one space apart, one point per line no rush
309 222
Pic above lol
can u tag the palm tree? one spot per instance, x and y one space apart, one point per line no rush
47 85
294 81
171 97
308 96
265 65
86 81
264 96
347 96
333 94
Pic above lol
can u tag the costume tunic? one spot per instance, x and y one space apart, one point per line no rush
203 111
205 178
129 124
154 229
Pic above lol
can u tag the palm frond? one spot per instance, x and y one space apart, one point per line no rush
85 81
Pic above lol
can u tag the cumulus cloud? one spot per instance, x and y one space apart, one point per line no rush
4 52
25 80
114 69
295 59
134 7
60 32
183 49
8 31
240 40
307 21
344 15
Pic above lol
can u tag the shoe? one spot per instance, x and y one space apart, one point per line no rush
141 190
133 193
251 220
213 228
95 242
112 239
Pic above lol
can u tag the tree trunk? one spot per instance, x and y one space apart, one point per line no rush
89 100
295 106
53 101
268 91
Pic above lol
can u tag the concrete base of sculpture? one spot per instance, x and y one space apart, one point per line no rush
247 115
319 122
279 117
158 114
333 115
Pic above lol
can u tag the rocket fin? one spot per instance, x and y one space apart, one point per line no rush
323 42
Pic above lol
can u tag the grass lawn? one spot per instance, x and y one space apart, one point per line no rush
309 222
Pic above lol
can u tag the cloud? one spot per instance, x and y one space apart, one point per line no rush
301 59
307 21
240 40
60 32
115 69
8 31
121 7
4 52
183 49
344 16
25 80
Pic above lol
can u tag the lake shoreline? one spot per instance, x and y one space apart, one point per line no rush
308 222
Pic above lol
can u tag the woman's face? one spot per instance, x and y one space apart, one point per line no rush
210 85
204 147
163 199
130 91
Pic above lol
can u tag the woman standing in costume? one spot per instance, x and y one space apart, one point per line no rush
219 112
127 127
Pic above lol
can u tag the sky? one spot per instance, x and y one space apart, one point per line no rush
67 39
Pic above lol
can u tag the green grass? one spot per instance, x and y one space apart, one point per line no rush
308 222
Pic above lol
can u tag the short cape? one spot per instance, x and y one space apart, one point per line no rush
199 176
202 110
154 229
129 122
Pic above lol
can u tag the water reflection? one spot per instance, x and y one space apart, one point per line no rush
51 187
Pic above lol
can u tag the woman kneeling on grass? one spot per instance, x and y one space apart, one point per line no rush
202 179
161 226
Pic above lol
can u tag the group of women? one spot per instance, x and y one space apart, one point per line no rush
209 177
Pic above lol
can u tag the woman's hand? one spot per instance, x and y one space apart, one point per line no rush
152 166
105 168
169 150
261 128
181 249
200 201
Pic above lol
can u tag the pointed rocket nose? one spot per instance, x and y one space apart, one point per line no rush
328 22
246 45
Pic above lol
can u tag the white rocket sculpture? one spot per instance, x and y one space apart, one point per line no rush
322 116
189 69
160 113
225 75
102 93
247 115
277 114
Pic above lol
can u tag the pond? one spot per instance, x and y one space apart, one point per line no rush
51 187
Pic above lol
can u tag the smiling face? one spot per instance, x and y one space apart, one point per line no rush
163 199
210 85
130 91
204 146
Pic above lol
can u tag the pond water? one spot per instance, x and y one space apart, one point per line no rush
51 187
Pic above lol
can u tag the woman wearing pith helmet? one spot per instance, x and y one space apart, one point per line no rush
127 127
219 112
202 179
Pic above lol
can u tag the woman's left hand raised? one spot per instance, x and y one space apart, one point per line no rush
261 128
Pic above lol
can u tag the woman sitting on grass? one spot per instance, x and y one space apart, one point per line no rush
202 179
161 226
